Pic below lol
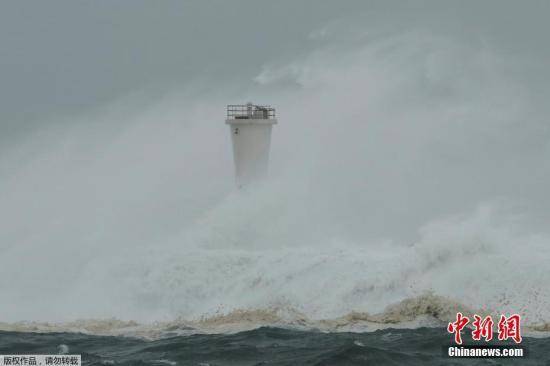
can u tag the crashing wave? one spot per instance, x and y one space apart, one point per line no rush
427 310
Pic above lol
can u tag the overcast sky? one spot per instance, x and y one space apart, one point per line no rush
67 57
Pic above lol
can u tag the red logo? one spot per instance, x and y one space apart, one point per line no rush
508 328
457 326
482 328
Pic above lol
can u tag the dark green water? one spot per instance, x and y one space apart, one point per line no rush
266 346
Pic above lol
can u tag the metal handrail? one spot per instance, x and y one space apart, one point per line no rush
250 111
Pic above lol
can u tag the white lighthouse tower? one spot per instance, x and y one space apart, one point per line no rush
250 127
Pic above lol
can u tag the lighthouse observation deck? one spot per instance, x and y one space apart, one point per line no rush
250 111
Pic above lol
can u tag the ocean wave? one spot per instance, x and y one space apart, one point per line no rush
428 310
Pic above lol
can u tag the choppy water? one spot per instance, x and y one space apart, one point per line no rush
264 346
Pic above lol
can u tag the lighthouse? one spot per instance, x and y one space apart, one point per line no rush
250 126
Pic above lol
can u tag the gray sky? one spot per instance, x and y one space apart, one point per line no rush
67 57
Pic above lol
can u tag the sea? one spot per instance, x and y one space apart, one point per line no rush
266 346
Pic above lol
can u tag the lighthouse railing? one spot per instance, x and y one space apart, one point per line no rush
250 111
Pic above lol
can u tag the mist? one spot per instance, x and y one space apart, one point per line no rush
401 160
